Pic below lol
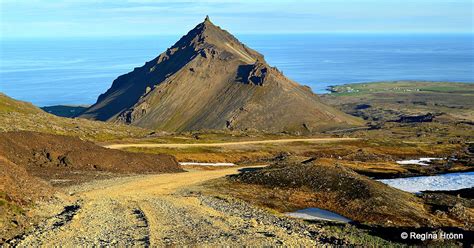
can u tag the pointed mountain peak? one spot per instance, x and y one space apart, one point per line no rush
207 37
210 80
207 23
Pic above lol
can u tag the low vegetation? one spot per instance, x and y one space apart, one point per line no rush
387 101
21 116
406 120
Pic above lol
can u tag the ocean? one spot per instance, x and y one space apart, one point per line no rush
75 71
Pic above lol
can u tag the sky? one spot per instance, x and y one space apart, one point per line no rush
101 18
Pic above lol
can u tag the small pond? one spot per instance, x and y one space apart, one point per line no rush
206 164
318 214
450 181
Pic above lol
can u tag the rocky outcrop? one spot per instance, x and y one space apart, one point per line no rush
254 74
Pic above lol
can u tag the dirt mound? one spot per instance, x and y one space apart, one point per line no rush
67 158
210 80
18 190
343 191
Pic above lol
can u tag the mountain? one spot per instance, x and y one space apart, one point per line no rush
209 80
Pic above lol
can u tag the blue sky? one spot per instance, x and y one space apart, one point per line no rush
64 18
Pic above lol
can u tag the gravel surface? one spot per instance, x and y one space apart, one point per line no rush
159 210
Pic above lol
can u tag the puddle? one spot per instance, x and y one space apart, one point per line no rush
207 164
60 180
421 161
450 181
318 214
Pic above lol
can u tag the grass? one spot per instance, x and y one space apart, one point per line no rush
375 154
207 154
8 105
402 87
358 236
9 206
85 129
214 136
277 201
18 116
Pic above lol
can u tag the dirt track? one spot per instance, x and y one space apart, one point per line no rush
158 210
313 140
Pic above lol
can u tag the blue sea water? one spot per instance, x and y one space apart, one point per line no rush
76 70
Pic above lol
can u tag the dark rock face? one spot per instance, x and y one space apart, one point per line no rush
209 80
416 118
253 74
258 74
133 114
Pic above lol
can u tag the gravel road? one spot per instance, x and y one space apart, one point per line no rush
161 210
276 141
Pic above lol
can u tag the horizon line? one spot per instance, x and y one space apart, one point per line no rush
251 33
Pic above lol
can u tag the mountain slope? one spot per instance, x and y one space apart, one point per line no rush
209 80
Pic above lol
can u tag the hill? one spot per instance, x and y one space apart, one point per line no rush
9 105
210 80
22 116
341 190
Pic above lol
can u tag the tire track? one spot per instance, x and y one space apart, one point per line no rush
153 211
142 219
49 225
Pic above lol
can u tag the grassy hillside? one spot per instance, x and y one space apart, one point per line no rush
8 105
21 116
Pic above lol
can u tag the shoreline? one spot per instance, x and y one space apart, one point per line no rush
331 88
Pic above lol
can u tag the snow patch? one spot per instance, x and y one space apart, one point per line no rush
421 161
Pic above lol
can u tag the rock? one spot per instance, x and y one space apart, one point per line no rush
416 118
458 211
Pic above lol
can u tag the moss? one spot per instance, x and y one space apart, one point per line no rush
9 206
3 202
358 236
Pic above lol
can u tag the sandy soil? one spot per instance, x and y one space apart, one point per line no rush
159 210
312 140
